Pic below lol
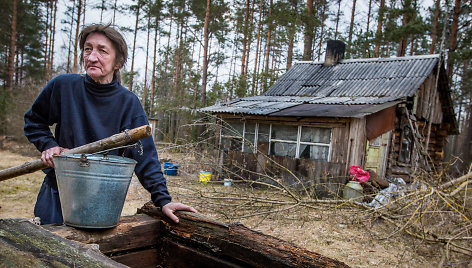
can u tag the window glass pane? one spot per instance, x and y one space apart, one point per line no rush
284 132
314 152
263 133
233 144
232 136
406 145
249 134
283 149
316 135
233 129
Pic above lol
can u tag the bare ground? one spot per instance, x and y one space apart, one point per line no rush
339 234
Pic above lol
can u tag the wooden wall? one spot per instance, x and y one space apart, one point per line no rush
427 103
322 179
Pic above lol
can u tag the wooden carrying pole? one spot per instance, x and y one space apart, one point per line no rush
111 142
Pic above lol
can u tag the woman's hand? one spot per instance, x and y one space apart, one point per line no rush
172 207
46 156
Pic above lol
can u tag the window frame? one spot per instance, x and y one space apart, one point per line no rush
298 142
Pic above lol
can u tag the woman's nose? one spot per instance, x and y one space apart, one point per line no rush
93 56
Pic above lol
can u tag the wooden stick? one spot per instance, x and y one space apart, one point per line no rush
111 142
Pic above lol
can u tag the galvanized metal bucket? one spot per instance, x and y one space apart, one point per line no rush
92 188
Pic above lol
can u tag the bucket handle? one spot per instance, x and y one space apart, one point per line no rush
84 162
137 144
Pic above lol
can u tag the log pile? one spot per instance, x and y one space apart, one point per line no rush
153 240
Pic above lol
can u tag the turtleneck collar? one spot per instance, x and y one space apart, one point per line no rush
101 89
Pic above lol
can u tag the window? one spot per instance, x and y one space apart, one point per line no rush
284 140
406 145
281 140
249 135
315 143
232 136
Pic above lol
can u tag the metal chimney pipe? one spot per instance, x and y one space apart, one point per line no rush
334 52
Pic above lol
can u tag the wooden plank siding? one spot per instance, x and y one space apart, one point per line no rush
427 100
424 105
323 179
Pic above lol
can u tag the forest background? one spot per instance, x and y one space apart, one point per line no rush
184 55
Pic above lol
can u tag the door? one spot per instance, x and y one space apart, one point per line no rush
377 150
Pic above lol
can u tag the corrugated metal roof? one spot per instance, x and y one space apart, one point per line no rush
366 85
333 110
250 107
399 77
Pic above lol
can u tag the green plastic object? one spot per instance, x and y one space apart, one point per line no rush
353 191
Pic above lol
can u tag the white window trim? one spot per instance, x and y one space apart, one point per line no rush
298 142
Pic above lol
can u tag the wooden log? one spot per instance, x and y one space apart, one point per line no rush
24 244
111 142
195 241
234 243
132 232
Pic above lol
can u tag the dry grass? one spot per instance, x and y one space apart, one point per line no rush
346 234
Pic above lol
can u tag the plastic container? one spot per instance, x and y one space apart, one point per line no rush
205 176
171 168
228 182
353 191
92 188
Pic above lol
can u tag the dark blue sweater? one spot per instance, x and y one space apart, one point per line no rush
84 112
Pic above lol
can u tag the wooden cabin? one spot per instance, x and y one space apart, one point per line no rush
320 118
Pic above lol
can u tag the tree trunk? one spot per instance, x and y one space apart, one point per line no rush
114 12
337 20
245 39
308 41
70 37
143 100
101 10
268 40
434 32
47 33
153 79
11 54
51 55
83 15
76 43
379 29
251 32
130 85
205 53
453 39
403 40
256 59
413 39
351 29
291 40
323 19
205 62
369 12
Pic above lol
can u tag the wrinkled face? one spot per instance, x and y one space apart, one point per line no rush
99 58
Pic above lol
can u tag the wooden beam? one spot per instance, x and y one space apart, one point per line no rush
132 232
24 244
111 142
235 243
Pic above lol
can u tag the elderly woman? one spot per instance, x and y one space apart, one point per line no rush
87 108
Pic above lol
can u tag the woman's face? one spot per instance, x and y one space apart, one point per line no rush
99 58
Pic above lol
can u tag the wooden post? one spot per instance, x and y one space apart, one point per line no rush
111 142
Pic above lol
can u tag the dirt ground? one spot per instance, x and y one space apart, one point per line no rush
338 234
